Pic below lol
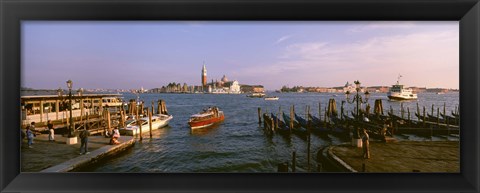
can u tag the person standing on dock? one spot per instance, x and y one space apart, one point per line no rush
30 136
32 126
84 141
366 145
51 132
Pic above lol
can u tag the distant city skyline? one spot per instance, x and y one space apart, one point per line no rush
129 55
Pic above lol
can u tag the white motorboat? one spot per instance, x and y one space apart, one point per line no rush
399 92
256 95
274 98
158 121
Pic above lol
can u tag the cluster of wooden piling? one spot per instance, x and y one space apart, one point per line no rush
379 125
111 119
270 126
424 124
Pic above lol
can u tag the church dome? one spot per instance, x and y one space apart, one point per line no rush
224 79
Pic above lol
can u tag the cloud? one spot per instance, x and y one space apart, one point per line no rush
283 38
424 59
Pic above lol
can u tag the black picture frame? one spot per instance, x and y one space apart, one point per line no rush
12 12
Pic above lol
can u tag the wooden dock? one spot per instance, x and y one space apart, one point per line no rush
404 156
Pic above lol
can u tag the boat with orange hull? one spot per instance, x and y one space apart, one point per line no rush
208 117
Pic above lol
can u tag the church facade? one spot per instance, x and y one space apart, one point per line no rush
224 86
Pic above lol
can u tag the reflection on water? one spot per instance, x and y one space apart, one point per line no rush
211 130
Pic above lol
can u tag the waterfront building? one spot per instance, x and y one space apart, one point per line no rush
230 87
48 106
251 88
419 89
224 86
378 89
349 87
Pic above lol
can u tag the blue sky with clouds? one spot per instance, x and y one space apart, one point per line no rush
151 54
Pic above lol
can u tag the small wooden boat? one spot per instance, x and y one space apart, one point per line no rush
316 129
208 117
456 115
315 120
274 98
451 120
282 128
287 119
297 128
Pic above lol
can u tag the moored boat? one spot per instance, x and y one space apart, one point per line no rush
158 121
206 118
281 127
399 92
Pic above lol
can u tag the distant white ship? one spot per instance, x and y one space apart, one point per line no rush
256 95
399 92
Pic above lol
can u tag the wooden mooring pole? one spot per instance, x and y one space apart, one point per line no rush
308 138
423 116
265 125
292 111
320 111
272 125
164 107
153 108
283 167
259 115
402 110
341 116
418 109
325 117
139 125
438 116
294 164
278 116
123 114
150 121
408 111
108 121
445 120
432 110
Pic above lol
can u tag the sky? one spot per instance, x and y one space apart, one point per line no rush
151 54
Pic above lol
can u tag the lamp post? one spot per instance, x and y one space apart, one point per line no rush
70 127
358 100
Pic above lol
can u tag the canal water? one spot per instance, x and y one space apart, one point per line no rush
239 143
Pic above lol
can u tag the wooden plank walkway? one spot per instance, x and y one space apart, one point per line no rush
62 157
404 156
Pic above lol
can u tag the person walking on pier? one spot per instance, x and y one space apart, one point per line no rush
30 136
84 141
366 145
51 132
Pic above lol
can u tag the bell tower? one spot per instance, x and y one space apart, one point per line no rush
204 75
